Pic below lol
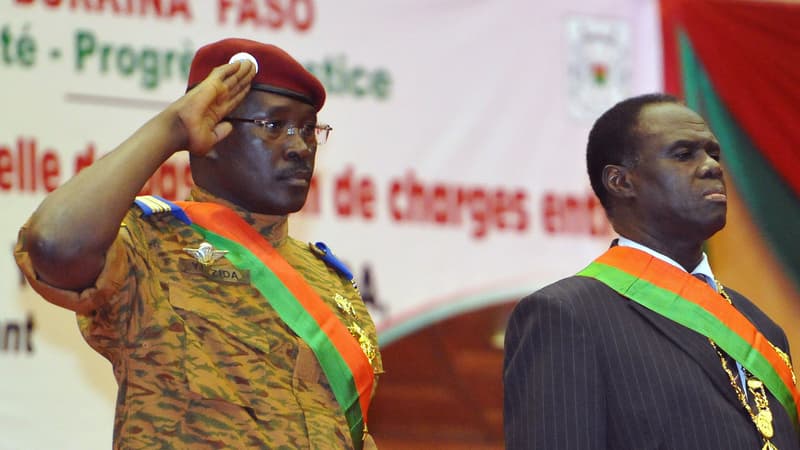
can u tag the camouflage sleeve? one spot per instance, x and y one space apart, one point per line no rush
108 283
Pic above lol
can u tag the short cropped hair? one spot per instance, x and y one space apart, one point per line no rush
613 139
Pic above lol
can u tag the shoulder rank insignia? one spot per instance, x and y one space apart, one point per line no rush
322 250
205 254
153 204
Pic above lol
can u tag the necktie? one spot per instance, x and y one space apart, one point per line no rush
704 279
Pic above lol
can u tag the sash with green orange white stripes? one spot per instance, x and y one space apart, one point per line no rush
344 363
678 296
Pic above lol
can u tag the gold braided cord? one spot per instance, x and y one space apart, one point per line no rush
762 419
785 359
780 352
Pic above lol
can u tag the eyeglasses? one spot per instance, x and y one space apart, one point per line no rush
275 129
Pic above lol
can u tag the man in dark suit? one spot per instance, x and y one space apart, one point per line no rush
635 352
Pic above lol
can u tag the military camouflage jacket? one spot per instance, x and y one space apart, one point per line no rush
201 359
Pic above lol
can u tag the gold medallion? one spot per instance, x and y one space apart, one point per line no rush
764 424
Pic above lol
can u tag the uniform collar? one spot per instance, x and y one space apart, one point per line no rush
703 267
274 228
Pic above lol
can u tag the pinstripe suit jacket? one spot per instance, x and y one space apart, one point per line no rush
586 368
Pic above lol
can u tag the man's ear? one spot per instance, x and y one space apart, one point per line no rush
616 180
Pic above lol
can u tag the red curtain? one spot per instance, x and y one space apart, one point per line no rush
751 52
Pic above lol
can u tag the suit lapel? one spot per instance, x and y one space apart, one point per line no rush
738 303
695 345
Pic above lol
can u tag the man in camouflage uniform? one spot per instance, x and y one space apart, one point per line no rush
203 355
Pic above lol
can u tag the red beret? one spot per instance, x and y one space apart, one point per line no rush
278 72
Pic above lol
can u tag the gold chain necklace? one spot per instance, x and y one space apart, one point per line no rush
762 419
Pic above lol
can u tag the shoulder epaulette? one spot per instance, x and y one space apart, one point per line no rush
153 204
322 250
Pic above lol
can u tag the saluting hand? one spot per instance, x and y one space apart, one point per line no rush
202 109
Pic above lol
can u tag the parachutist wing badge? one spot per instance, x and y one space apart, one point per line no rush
205 254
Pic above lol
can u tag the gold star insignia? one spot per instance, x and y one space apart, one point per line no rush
363 341
344 304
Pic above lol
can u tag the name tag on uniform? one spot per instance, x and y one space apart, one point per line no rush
230 275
